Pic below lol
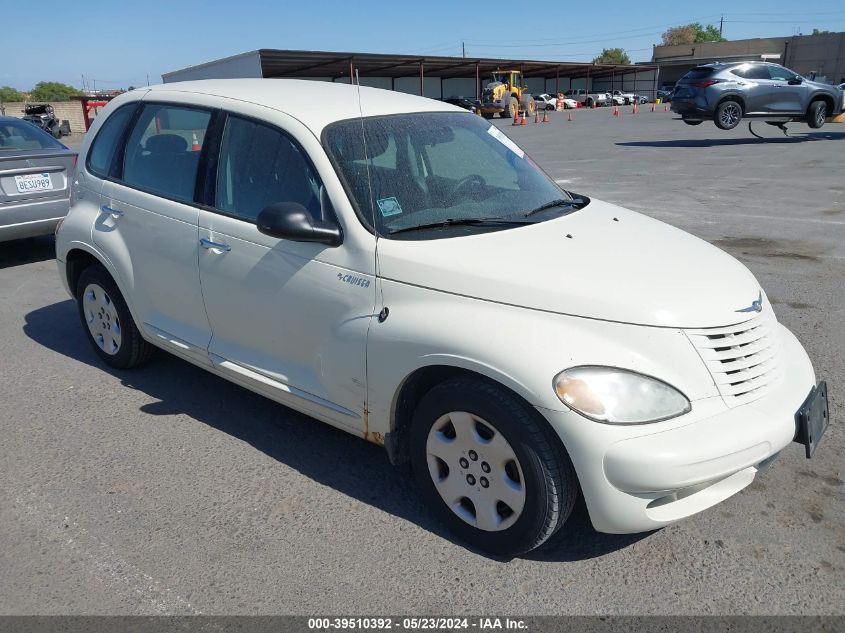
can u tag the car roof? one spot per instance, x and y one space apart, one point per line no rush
315 103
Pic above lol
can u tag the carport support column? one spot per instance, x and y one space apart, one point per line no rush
477 82
557 81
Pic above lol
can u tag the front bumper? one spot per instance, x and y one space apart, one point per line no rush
636 479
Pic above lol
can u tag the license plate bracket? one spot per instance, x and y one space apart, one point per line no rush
812 419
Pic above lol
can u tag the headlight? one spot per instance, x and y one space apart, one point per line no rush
618 396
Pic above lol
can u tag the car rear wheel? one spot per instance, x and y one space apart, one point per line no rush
489 468
817 114
728 115
107 320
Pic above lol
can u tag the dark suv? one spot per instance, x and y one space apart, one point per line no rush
727 93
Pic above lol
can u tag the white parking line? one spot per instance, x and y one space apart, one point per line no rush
106 564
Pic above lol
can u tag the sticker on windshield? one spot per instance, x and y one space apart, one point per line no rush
389 206
497 134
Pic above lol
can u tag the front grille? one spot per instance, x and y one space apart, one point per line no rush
743 359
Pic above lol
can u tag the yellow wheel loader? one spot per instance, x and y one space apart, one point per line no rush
506 94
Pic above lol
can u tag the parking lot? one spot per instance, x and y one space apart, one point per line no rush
168 490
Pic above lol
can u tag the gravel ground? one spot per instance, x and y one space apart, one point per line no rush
168 490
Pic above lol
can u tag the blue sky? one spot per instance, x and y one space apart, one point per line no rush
119 43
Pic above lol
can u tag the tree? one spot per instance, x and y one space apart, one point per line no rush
692 33
10 95
53 91
612 56
817 32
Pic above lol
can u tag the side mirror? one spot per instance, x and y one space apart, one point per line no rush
795 81
292 221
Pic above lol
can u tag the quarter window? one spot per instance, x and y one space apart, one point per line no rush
260 166
102 152
163 151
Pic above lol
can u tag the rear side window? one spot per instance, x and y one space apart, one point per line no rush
260 166
163 150
698 73
23 135
102 151
752 72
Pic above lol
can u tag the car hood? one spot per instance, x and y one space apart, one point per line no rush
601 262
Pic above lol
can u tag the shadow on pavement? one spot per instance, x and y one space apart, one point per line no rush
716 142
330 457
18 252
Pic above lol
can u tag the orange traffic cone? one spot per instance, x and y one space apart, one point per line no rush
545 116
515 117
522 122
195 144
536 116
635 109
652 107
594 105
569 118
666 108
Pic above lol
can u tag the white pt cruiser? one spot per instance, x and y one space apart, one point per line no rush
400 269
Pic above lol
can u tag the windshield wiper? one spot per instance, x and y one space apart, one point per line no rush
560 202
455 222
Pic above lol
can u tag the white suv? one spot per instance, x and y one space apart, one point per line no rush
400 269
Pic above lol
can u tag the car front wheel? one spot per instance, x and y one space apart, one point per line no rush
728 115
489 467
817 114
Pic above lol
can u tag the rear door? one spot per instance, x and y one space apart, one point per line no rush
755 85
148 221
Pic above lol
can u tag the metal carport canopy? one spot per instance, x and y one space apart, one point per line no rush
283 63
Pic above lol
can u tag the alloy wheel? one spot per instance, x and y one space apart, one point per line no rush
730 114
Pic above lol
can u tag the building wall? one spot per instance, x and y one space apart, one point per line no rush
246 65
69 110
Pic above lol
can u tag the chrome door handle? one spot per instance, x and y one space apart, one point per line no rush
115 213
215 245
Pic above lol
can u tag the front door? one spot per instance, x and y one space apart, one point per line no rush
287 318
786 98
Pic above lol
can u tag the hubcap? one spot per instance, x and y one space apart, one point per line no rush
730 114
821 115
476 471
102 320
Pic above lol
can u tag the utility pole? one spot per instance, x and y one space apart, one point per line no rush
463 49
148 79
721 25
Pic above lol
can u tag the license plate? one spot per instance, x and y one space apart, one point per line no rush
33 182
813 419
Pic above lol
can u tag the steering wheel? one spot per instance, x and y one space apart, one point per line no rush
473 180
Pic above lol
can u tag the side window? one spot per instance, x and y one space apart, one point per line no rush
163 150
260 166
779 73
752 72
102 151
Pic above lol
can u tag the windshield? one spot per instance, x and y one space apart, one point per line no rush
22 135
450 169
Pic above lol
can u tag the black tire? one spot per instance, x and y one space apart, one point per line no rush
728 115
133 349
816 114
692 122
551 486
588 103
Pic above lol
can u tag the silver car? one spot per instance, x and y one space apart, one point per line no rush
727 93
35 170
